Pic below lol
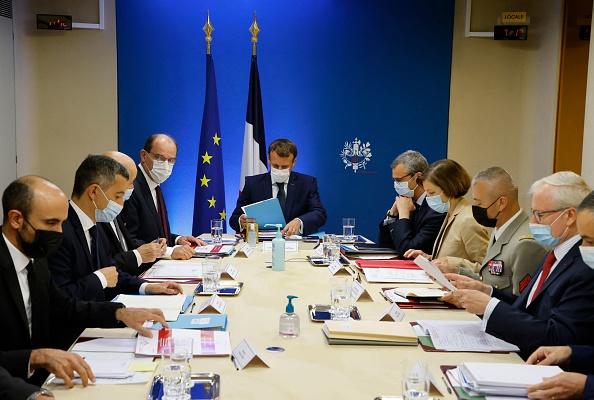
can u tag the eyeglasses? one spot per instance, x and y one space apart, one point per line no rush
538 214
401 178
160 158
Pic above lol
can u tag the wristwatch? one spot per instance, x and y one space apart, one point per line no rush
40 392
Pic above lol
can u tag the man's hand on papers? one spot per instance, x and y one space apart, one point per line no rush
405 206
292 228
550 355
184 252
111 275
412 253
151 251
163 288
62 364
136 317
190 241
472 300
566 385
445 267
449 298
466 282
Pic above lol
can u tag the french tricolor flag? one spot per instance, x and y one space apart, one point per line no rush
254 160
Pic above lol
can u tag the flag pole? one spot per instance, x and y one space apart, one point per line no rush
208 30
254 29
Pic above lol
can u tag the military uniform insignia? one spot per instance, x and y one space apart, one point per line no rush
495 267
524 282
528 236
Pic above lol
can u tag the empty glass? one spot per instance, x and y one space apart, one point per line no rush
216 230
415 381
348 229
177 371
340 298
210 275
331 248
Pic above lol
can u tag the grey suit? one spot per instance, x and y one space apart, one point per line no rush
516 252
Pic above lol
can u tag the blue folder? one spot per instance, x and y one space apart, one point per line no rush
211 322
265 212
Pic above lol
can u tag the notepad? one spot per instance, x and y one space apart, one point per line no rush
381 331
170 305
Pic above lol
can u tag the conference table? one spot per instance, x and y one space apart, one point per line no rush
309 367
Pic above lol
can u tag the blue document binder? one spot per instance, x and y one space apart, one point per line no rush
265 212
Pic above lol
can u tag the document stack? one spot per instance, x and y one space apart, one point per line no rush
370 333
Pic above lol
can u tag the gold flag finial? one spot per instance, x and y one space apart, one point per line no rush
208 29
254 29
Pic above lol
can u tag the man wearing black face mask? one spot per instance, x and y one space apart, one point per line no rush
513 254
31 304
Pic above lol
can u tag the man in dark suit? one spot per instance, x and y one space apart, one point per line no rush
297 193
557 307
83 265
577 360
131 255
410 222
12 388
145 213
31 303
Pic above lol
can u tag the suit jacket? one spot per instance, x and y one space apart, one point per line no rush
303 200
417 232
461 236
51 307
72 267
140 214
562 313
12 388
126 260
581 362
519 253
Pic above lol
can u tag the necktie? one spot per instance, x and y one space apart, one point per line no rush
281 196
546 269
120 236
162 212
94 233
31 280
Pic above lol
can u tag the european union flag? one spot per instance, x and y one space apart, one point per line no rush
209 200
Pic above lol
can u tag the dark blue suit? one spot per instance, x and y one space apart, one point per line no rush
417 232
303 200
72 268
140 214
581 361
562 312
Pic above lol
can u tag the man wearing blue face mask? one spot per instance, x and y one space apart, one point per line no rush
557 307
131 255
410 223
83 265
297 193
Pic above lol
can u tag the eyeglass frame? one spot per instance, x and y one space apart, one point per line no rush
161 158
538 214
399 180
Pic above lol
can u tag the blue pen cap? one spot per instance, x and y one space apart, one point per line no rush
290 308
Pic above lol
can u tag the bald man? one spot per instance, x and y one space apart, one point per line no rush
131 255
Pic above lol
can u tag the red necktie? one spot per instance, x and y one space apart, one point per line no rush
546 269
162 212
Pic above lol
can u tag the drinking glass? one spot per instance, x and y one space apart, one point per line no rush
210 276
330 247
340 298
216 230
415 381
348 229
177 371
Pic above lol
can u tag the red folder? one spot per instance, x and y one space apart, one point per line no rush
399 264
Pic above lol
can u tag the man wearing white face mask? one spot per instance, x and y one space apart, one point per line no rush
557 307
410 223
297 193
83 265
130 254
145 213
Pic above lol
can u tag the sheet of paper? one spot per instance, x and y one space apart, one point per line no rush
175 269
206 343
136 378
391 275
290 247
107 345
432 270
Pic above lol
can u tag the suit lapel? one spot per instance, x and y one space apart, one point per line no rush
12 282
79 233
148 198
419 213
290 195
505 237
446 224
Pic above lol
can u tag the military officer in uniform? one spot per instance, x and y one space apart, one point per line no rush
513 254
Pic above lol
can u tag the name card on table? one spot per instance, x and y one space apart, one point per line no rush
244 356
245 251
336 268
291 246
319 250
214 303
230 271
393 313
358 292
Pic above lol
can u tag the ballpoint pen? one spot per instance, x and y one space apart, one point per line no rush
446 384
192 308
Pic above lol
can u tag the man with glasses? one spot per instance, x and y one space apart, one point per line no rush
145 213
557 307
410 223
513 254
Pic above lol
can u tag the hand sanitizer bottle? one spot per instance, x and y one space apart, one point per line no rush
289 321
278 250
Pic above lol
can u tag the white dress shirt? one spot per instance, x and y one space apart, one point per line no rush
20 262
